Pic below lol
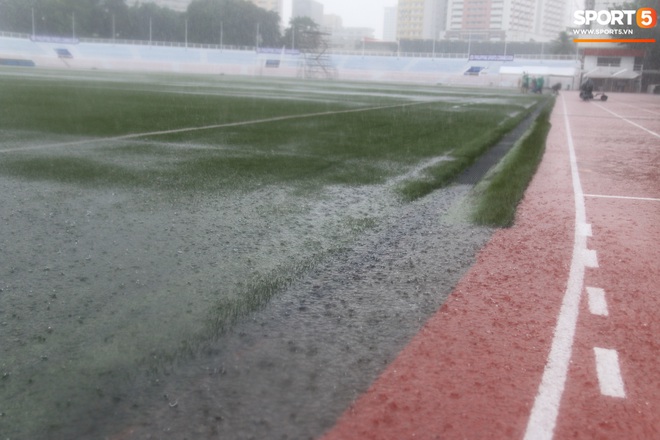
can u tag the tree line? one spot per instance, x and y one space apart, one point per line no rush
229 22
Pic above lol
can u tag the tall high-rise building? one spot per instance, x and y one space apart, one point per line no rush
510 20
308 8
389 23
421 19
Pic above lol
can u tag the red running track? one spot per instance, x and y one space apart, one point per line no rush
552 333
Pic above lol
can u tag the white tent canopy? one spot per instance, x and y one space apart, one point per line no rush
539 70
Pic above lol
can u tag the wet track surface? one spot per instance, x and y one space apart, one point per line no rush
550 334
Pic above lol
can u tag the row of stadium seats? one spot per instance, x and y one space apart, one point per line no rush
145 57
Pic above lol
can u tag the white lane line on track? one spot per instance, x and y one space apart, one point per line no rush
609 373
645 199
543 417
597 301
590 258
642 109
585 229
207 127
628 121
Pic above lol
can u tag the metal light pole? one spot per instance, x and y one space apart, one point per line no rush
33 24
469 43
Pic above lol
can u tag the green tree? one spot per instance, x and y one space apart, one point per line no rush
165 24
241 23
562 45
302 33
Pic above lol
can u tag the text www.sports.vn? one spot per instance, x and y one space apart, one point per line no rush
603 31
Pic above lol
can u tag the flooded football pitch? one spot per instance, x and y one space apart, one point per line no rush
206 276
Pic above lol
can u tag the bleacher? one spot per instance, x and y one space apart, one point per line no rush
145 57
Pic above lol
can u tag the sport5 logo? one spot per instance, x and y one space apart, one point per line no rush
643 17
647 18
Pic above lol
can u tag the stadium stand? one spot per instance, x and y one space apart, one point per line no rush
141 56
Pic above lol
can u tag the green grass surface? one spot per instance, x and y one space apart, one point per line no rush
357 148
130 248
499 193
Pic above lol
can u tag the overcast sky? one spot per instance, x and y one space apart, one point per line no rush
355 13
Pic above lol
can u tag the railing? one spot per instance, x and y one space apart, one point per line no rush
364 52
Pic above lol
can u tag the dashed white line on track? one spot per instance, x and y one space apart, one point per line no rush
609 372
597 301
590 258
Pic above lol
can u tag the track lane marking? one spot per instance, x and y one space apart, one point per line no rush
590 258
543 417
597 301
600 196
609 372
585 229
628 121
640 108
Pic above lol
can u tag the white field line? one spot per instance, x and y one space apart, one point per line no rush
629 121
206 127
644 199
543 417
640 108
597 301
609 372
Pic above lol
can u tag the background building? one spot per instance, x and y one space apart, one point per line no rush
389 23
344 38
510 20
481 20
421 19
308 8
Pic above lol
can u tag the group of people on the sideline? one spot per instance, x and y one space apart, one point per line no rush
533 84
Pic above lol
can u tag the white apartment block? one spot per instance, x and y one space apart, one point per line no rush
421 19
511 20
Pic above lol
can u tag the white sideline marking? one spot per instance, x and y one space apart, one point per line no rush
609 372
629 121
643 109
590 258
543 418
645 199
585 229
207 127
597 301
